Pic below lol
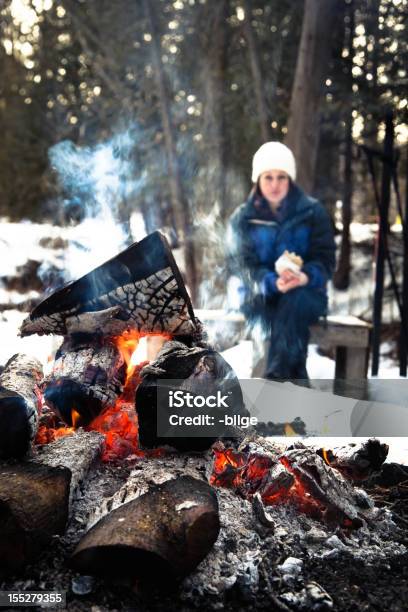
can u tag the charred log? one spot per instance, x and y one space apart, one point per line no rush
87 377
36 496
196 370
166 532
143 280
390 475
33 507
325 485
19 405
356 461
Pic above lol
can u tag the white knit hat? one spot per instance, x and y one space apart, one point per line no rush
273 156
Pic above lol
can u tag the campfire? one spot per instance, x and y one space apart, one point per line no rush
199 510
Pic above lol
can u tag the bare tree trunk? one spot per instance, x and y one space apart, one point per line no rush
179 201
311 67
255 65
214 79
341 277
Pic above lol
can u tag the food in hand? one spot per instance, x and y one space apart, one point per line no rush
289 261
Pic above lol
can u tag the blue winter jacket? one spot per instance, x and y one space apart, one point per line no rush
258 238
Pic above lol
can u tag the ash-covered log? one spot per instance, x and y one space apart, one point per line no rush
160 536
358 460
20 403
334 494
194 370
36 496
103 322
87 376
143 280
77 452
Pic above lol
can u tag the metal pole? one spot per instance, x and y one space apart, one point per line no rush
382 242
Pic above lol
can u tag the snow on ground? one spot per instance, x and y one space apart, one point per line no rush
398 447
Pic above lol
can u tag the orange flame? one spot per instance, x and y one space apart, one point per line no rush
45 434
127 344
118 423
325 455
75 418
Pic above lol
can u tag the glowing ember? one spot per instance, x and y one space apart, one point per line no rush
275 480
45 434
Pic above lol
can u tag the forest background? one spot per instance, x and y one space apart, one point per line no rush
157 106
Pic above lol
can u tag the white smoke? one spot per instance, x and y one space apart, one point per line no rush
98 183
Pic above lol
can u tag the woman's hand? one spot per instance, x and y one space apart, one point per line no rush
288 280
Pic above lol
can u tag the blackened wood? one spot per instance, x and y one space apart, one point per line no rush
357 460
33 507
198 370
391 474
36 496
19 404
87 376
161 536
143 280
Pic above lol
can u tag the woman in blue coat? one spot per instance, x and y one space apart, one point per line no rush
277 218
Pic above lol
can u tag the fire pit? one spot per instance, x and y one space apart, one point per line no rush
119 516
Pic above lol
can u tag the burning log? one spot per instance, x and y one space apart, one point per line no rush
143 280
322 484
166 532
356 461
298 476
251 474
196 370
19 405
36 496
87 376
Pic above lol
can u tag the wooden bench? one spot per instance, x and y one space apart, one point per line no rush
348 335
350 338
